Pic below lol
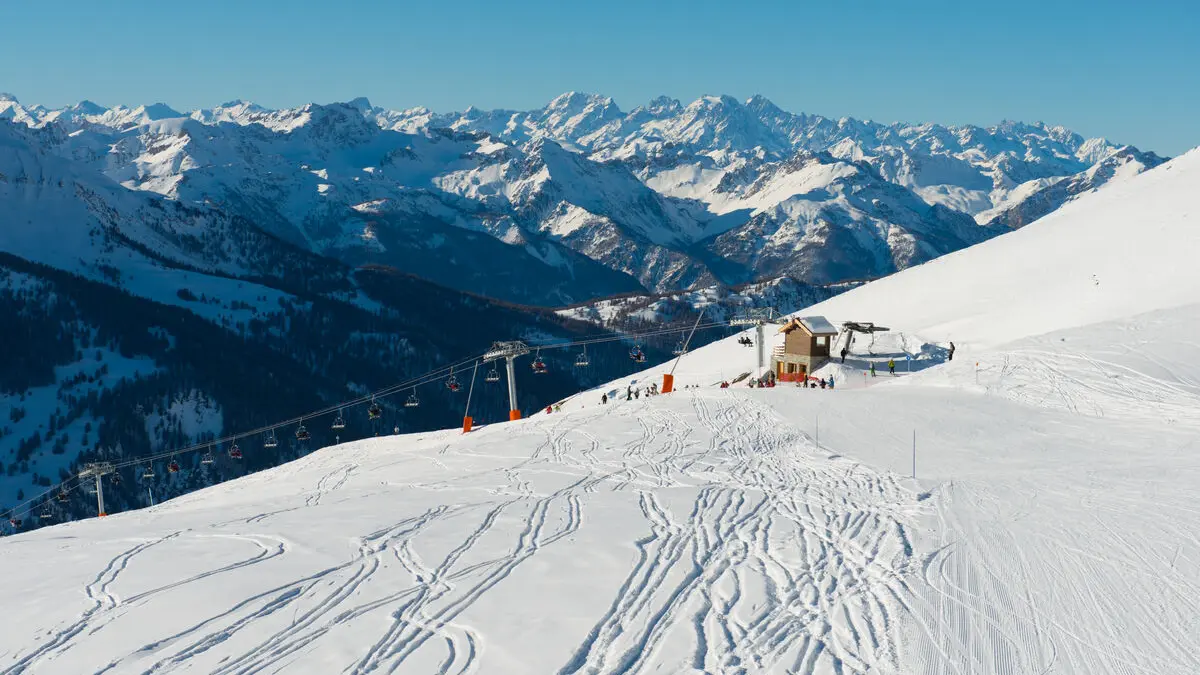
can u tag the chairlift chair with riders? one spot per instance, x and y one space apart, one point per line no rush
538 365
148 473
270 441
234 451
62 496
302 432
15 522
338 422
582 361
173 466
207 457
374 412
412 401
452 382
115 478
47 511
679 348
637 354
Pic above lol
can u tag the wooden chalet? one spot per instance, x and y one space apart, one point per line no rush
806 345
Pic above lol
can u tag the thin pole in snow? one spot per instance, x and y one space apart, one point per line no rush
689 339
914 474
818 431
471 390
150 495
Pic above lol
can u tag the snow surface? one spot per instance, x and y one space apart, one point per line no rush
1051 525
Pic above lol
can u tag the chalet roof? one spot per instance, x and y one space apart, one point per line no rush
813 325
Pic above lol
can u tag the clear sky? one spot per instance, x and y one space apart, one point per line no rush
1128 70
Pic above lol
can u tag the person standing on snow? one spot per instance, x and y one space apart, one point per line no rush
603 399
831 382
844 350
950 356
892 367
872 369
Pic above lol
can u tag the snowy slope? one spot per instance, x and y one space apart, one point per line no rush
1127 249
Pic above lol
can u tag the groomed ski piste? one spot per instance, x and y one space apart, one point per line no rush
1052 525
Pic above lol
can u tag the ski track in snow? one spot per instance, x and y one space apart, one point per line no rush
773 557
731 543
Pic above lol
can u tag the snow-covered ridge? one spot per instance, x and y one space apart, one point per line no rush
596 200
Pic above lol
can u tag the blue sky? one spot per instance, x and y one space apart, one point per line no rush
1124 70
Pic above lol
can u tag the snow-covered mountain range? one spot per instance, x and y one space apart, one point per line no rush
578 199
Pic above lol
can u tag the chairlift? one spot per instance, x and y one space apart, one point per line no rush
149 472
115 478
302 433
234 451
173 466
581 361
270 441
539 366
62 497
492 376
47 511
637 354
412 401
374 412
679 348
15 522
207 457
338 422
452 382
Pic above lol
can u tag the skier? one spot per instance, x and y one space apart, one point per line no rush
654 388
823 383
950 356
549 410
637 393
844 351
892 367
872 369
629 393
831 382
557 407
603 399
